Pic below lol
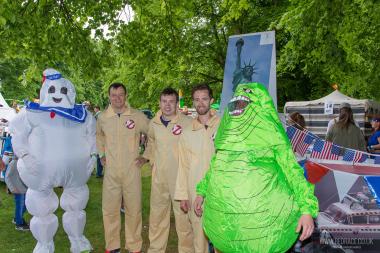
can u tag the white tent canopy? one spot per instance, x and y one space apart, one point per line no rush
317 120
3 103
6 112
337 98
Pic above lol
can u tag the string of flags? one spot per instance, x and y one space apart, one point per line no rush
301 140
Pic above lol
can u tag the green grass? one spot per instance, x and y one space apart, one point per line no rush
15 241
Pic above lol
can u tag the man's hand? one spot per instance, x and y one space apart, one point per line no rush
307 224
185 205
198 205
103 161
140 161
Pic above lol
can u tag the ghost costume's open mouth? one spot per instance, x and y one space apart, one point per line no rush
57 100
237 105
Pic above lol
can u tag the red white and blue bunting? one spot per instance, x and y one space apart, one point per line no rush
308 144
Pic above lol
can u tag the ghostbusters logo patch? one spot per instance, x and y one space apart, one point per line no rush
130 124
177 130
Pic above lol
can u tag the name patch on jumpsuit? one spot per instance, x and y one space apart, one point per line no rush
177 130
130 124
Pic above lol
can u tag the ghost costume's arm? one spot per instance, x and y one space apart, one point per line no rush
100 137
303 190
20 129
91 132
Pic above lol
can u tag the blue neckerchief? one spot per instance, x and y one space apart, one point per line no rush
78 113
164 122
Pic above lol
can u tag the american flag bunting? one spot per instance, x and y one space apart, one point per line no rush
299 139
322 150
355 156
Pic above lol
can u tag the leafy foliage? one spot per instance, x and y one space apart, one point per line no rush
332 42
42 34
183 43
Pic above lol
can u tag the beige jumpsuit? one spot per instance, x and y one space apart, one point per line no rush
196 148
118 138
162 151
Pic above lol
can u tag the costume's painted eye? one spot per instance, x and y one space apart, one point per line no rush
247 90
51 89
64 90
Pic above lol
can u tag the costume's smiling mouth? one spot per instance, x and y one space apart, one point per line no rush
57 100
237 105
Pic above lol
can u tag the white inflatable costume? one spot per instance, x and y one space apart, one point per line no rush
55 143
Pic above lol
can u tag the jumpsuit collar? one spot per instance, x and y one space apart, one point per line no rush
211 123
157 119
110 113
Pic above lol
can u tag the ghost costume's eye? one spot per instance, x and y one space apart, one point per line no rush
51 89
247 90
64 90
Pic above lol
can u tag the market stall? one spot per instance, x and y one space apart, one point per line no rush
319 112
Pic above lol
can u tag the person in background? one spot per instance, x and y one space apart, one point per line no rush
14 184
87 105
344 132
97 111
99 166
334 120
297 120
374 139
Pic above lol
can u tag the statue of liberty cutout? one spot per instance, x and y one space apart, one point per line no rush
242 74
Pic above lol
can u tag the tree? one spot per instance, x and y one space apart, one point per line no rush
331 42
40 34
169 43
182 43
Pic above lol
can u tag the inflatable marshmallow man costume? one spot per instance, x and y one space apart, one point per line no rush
55 143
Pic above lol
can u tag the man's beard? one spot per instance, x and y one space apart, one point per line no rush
202 110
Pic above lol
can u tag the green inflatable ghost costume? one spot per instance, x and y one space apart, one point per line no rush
255 191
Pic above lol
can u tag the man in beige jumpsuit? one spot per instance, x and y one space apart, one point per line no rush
117 136
162 151
196 148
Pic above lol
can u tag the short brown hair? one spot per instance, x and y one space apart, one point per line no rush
116 86
202 87
169 91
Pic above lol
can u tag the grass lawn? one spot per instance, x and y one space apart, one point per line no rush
15 241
